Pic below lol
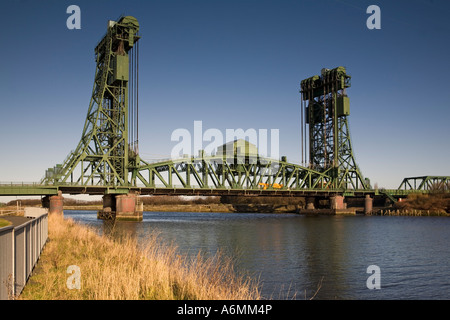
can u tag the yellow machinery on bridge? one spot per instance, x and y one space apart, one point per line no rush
264 186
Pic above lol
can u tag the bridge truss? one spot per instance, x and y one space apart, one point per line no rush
107 147
107 160
233 173
108 154
326 107
426 183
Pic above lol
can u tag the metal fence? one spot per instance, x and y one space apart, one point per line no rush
20 248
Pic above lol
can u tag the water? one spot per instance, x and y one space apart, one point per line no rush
297 254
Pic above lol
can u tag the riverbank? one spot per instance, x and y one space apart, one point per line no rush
121 270
4 223
424 204
414 205
410 212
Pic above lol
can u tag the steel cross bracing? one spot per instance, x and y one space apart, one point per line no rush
233 173
426 183
103 154
107 160
325 109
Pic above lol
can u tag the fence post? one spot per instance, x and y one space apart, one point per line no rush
6 262
20 249
20 268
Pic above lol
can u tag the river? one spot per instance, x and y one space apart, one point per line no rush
325 257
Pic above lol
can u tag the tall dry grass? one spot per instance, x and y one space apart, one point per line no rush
435 202
122 270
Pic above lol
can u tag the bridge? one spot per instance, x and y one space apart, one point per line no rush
106 160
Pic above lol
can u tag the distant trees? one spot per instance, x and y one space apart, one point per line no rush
266 200
177 200
67 202
25 202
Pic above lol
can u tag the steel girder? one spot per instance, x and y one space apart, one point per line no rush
327 110
426 183
103 154
107 159
238 173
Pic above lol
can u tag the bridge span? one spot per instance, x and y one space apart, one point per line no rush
106 160
126 199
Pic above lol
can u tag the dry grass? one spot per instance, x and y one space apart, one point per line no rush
122 270
435 202
4 223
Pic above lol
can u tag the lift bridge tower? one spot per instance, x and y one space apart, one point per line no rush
109 143
325 111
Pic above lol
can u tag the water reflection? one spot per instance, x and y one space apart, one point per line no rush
293 253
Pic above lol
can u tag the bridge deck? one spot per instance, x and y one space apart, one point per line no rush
20 189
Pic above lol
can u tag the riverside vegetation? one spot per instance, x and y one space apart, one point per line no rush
120 269
4 223
434 203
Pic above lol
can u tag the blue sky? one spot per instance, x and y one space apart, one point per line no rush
232 64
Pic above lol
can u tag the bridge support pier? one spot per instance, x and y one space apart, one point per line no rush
337 203
121 207
368 204
339 206
128 207
109 203
310 203
54 203
109 208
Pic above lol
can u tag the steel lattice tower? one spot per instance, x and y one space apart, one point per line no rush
325 109
108 145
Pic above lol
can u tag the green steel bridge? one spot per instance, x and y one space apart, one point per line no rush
106 160
425 184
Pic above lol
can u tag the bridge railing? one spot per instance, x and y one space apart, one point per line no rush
426 183
20 248
194 185
18 184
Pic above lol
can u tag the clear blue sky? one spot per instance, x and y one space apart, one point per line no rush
232 64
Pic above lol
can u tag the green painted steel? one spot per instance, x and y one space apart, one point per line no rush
106 156
106 160
234 173
33 189
327 107
426 183
104 152
204 190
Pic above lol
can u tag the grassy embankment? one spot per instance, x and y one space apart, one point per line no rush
437 204
4 223
121 270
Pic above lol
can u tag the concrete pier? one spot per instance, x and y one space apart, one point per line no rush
339 206
310 203
368 205
109 203
54 203
128 207
109 208
121 207
336 206
337 203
